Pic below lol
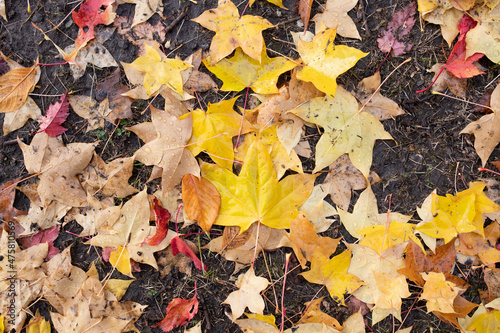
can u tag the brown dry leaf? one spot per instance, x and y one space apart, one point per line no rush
167 150
492 280
313 314
112 89
87 108
342 178
305 11
442 261
335 15
461 308
439 293
197 81
447 80
201 200
268 239
131 230
183 263
97 216
2 10
474 244
7 196
306 242
232 238
377 105
15 120
58 165
487 129
140 33
15 86
110 179
248 294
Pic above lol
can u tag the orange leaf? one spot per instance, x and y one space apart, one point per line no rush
201 200
15 87
305 11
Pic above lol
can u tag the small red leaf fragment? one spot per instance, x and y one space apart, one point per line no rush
44 236
179 246
398 28
179 312
56 115
161 217
305 11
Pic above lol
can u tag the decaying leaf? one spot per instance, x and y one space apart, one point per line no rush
111 89
140 33
447 80
7 196
398 28
144 9
305 11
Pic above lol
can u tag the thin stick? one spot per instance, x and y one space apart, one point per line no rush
283 294
177 19
462 100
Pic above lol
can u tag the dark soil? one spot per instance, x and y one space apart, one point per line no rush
427 153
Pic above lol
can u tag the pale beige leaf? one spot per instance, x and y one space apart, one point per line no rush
335 15
15 120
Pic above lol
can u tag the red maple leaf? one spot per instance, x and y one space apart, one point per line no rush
179 312
162 216
44 236
179 246
56 115
87 18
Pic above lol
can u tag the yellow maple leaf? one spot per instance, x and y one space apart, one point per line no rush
282 161
37 324
459 214
242 71
380 238
220 118
324 61
160 70
393 289
232 31
439 293
121 260
333 274
486 322
255 194
347 131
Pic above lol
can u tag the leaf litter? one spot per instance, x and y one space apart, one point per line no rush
258 203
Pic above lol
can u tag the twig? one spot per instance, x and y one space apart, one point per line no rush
177 19
363 14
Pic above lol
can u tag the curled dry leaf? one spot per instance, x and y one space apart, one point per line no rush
305 11
201 200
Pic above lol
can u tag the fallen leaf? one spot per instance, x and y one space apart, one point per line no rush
112 89
447 80
118 287
58 165
459 214
393 290
167 149
179 246
324 61
442 261
37 324
342 178
179 312
382 237
120 259
365 214
346 130
4 15
398 28
213 131
313 314
306 242
258 323
278 3
439 293
333 274
247 295
305 11
140 33
485 37
162 217
372 100
271 202
7 196
56 115
90 14
485 129
159 70
488 321
44 236
232 31
16 119
198 81
15 86
242 71
335 15
201 200
472 244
